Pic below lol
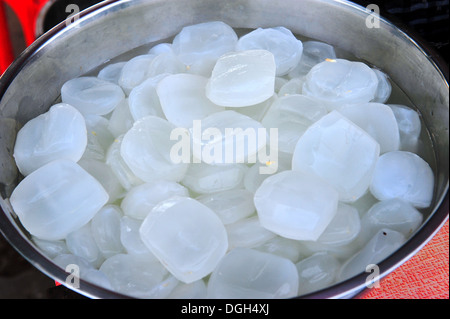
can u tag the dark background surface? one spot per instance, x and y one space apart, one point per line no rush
427 19
20 280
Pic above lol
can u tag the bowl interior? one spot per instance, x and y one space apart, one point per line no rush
113 28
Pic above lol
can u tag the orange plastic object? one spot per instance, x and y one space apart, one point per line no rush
27 11
6 52
424 276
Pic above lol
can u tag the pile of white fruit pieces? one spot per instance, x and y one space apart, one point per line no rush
126 178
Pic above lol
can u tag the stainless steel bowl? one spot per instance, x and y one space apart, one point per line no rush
111 28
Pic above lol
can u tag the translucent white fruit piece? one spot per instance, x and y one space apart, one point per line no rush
409 125
341 81
342 253
118 166
121 119
316 272
292 115
343 228
99 137
163 290
98 126
296 205
130 237
59 133
279 82
242 78
186 236
364 203
140 200
294 86
285 47
340 152
247 233
256 111
283 247
384 88
381 246
314 52
146 149
97 278
51 248
137 276
202 67
161 48
111 72
249 274
91 95
104 174
144 100
378 121
231 205
105 228
135 71
81 243
227 137
57 199
403 175
254 176
165 63
394 214
93 149
183 99
203 44
79 268
195 290
69 261
207 179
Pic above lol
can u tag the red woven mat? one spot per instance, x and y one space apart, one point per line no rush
424 276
